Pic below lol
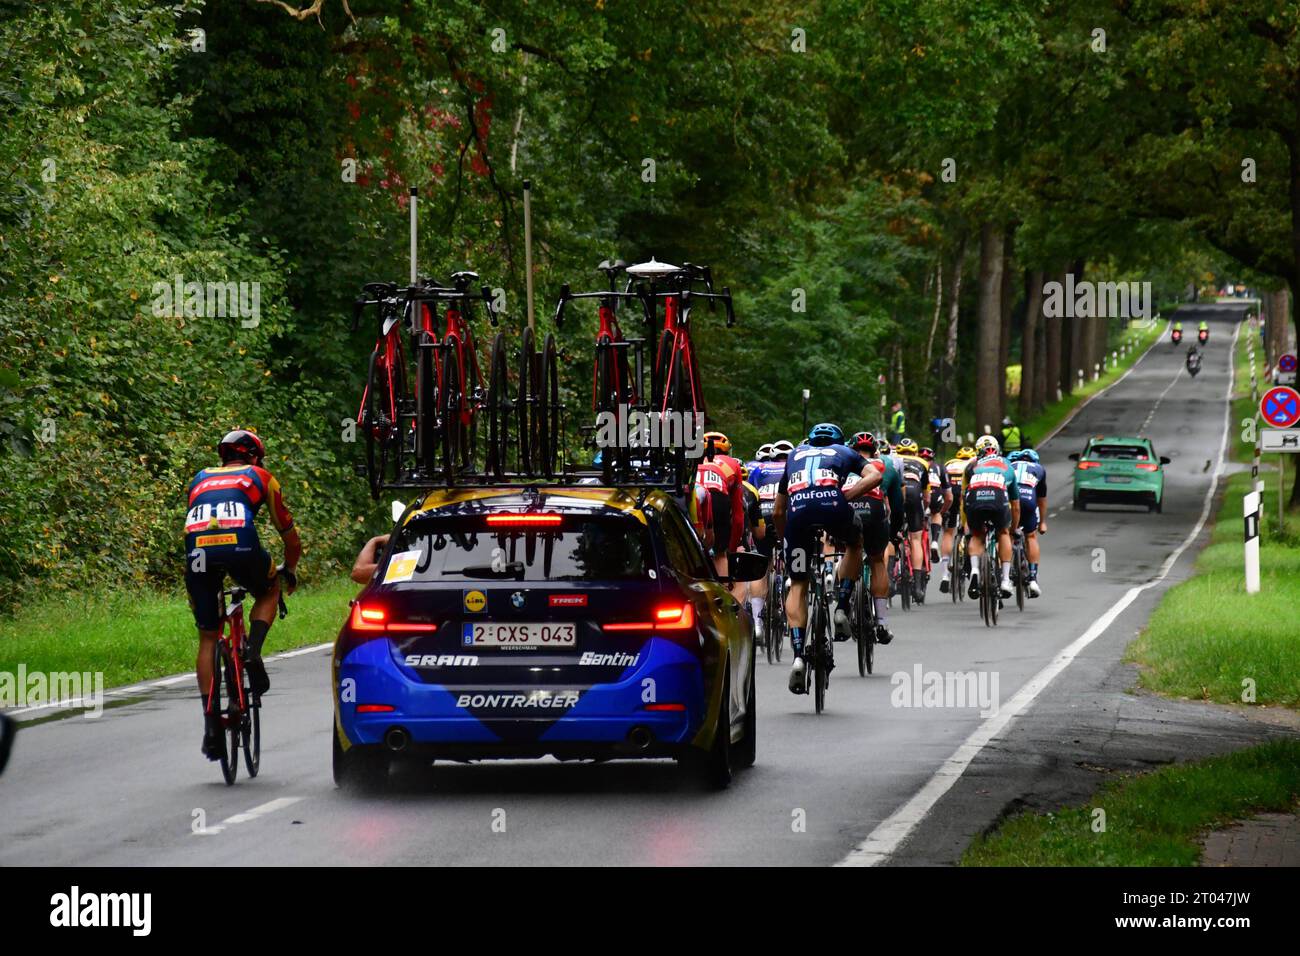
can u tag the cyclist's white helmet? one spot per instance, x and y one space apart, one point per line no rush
781 449
764 452
987 445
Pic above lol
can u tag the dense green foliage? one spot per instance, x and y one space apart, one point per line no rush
798 149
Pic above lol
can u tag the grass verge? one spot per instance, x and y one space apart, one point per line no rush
134 636
1208 638
1155 819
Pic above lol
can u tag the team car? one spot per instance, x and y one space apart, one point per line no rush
579 623
1119 470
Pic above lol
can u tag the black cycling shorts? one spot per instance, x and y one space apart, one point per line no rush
252 570
983 515
875 526
954 513
838 520
721 502
914 506
1029 517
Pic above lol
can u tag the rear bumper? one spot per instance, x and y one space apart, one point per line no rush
1104 492
483 720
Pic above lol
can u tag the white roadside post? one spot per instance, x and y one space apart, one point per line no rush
1250 510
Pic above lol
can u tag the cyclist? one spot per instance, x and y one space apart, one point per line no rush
881 511
221 539
810 495
953 468
765 475
755 530
990 499
719 473
916 492
1031 479
939 504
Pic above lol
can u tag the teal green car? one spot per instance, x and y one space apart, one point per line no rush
1119 471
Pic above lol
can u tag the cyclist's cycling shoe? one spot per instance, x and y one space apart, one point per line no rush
258 679
934 553
212 743
799 677
883 634
1035 590
758 630
841 625
974 589
1006 588
944 586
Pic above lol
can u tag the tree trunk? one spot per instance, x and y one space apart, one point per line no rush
938 311
949 385
989 379
1053 375
1043 380
1030 372
1078 357
1004 335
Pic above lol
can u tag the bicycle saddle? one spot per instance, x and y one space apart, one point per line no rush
462 280
653 269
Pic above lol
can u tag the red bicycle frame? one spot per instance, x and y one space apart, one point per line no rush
459 340
677 320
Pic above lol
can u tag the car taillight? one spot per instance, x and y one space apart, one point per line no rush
368 617
375 708
1148 466
667 617
534 519
1085 465
668 707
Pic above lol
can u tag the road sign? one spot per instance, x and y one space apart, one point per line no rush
1280 440
1285 374
1280 406
1287 363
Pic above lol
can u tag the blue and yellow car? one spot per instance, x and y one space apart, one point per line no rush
580 623
1121 470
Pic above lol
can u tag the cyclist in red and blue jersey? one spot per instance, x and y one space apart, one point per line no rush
990 500
1031 478
809 496
221 539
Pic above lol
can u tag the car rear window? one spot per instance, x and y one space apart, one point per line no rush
465 548
1119 452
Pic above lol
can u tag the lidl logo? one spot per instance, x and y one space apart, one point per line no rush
475 601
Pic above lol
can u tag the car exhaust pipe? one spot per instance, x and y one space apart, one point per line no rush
396 739
640 738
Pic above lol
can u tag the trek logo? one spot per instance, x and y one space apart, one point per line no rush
568 600
75 909
442 660
592 659
537 700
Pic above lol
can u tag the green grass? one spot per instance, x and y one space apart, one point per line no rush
1208 635
134 636
1155 819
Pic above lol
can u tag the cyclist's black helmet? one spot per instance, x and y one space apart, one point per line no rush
241 444
864 442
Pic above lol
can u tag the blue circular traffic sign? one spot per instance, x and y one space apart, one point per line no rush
1280 406
1286 363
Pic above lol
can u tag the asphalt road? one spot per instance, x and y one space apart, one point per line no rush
131 787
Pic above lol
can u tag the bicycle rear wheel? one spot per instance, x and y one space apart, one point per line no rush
500 411
817 655
1020 569
225 704
428 432
251 731
528 404
992 585
864 629
547 408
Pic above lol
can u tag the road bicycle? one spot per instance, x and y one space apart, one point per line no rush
862 617
901 576
774 623
1019 567
387 414
959 565
990 596
230 696
819 653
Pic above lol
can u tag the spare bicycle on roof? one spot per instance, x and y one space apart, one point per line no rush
428 418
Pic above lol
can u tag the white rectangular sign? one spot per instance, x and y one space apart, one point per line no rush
1283 378
1280 440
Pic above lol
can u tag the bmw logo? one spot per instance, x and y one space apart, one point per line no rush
517 599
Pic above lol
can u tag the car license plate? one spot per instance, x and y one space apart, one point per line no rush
514 635
1118 479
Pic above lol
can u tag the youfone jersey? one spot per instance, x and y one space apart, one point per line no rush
223 503
989 481
766 477
1031 479
814 474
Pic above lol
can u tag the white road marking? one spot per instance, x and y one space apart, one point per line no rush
891 832
260 810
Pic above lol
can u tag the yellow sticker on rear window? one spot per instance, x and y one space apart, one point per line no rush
475 601
402 567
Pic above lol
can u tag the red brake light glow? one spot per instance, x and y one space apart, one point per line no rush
668 617
671 707
1148 466
375 708
1085 465
529 519
375 619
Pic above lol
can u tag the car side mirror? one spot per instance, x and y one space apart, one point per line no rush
1165 459
746 565
398 509
1074 456
7 730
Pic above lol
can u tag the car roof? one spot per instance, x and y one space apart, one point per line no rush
1118 440
579 499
